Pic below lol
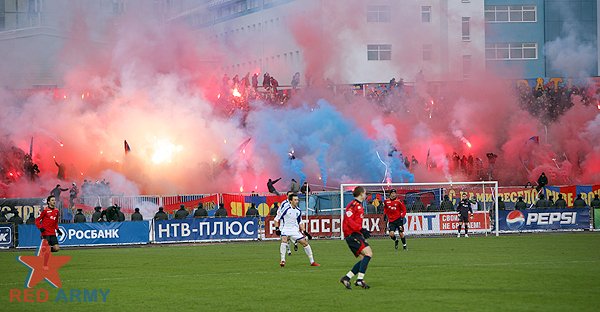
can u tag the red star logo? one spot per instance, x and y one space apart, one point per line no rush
44 266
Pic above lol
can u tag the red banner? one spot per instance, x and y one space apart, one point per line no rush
327 226
208 202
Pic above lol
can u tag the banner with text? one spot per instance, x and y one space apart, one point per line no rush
544 219
209 229
90 234
415 223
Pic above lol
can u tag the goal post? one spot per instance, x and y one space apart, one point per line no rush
427 211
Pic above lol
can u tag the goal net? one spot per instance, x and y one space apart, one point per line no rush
431 207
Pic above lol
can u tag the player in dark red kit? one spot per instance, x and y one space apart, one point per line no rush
395 210
356 238
47 222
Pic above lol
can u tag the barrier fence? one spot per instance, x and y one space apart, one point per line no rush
321 211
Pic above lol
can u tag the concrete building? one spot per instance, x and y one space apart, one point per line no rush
360 41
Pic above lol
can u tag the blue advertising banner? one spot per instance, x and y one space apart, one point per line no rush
207 229
544 219
90 234
6 235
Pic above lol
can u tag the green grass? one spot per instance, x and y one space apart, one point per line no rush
550 272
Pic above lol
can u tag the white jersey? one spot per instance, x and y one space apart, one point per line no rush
289 218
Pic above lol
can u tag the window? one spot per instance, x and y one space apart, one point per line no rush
510 13
426 14
466 66
466 29
379 52
378 14
427 51
511 51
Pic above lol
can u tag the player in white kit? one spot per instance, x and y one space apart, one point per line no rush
288 225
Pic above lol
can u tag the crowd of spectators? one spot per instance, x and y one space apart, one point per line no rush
551 100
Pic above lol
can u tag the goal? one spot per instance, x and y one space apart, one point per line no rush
430 206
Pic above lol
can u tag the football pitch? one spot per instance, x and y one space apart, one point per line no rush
533 272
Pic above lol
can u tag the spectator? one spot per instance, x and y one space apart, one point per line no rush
560 202
371 209
595 204
72 195
542 181
136 215
520 204
252 211
501 205
255 81
579 202
305 189
221 212
2 216
56 193
97 216
79 217
271 187
200 211
295 80
273 211
31 219
15 219
551 201
161 215
542 202
446 204
294 186
120 215
413 162
417 205
181 213
528 185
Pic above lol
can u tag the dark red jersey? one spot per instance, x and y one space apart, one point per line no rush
48 220
394 209
353 218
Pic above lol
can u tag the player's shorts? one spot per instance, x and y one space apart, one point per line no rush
463 218
294 235
52 240
397 224
356 242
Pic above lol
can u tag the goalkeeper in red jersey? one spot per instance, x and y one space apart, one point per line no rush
395 210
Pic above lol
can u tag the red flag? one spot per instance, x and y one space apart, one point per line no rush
127 148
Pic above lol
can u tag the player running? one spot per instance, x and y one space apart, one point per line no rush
356 238
395 210
289 218
47 222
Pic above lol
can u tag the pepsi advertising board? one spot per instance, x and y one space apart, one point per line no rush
90 234
206 229
6 235
544 219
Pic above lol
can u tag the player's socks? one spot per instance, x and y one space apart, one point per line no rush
394 237
466 229
403 239
282 250
309 253
354 270
350 274
364 263
459 227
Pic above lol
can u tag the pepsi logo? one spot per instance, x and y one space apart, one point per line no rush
515 220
